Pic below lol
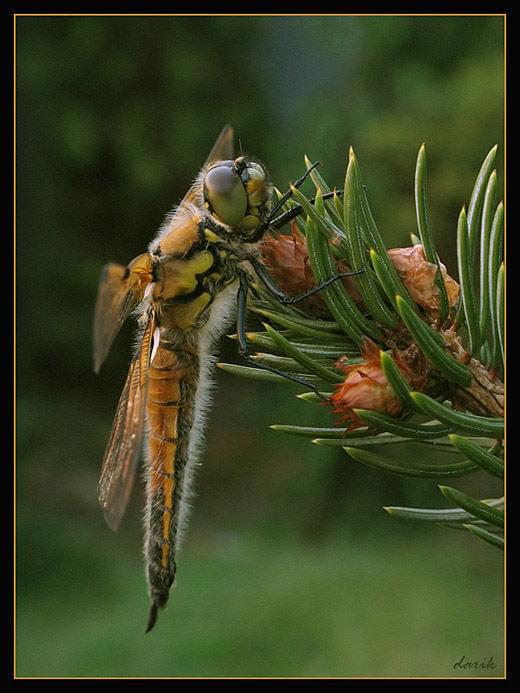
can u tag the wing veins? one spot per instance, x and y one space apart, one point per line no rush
124 446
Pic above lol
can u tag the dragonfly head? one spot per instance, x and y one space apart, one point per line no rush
236 193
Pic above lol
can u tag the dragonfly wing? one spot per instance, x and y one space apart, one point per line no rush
121 290
223 149
124 445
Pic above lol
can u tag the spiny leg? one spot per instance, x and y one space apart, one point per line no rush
291 214
242 339
288 194
266 223
280 295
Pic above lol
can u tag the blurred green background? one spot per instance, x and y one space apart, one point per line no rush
291 566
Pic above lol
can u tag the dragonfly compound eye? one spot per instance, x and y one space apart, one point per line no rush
256 186
225 194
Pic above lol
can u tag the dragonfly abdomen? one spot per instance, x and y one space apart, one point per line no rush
172 383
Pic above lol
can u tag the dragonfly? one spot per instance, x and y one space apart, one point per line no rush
184 292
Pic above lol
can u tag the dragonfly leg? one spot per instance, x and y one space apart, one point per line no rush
288 194
290 214
278 222
242 339
280 295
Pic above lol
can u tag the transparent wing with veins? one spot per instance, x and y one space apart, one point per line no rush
124 446
121 290
223 149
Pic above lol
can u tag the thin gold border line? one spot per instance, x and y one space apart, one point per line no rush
15 16
14 346
255 14
262 678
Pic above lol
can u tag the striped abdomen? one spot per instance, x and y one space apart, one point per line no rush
173 377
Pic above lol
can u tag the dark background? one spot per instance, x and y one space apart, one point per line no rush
291 566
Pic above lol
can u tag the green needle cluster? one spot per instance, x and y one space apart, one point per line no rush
340 227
